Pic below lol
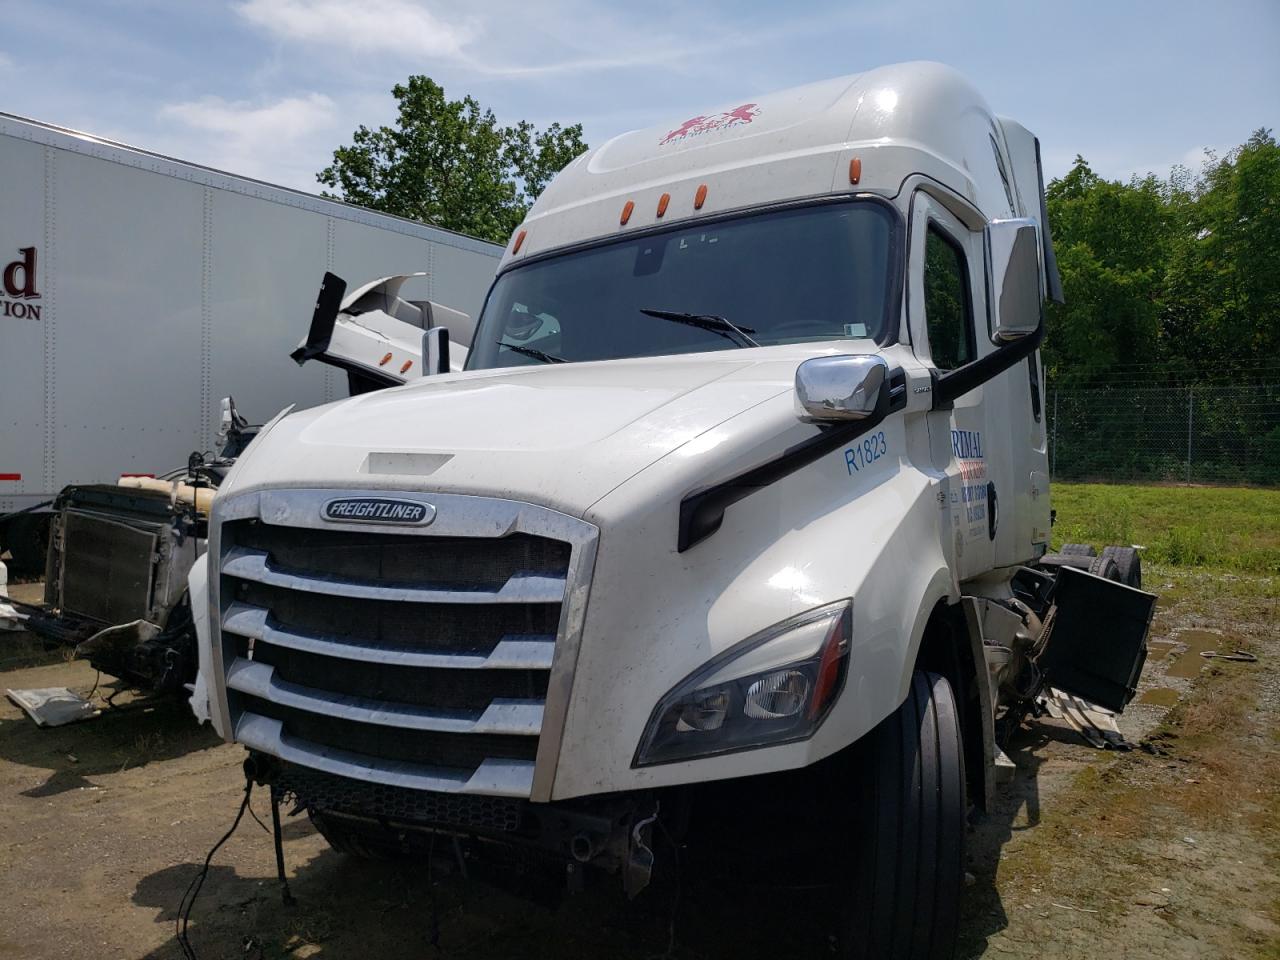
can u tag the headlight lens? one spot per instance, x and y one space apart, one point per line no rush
774 687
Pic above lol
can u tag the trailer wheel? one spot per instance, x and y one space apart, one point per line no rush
1078 550
910 832
344 838
1129 564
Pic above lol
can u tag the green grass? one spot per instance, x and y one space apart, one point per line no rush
1236 529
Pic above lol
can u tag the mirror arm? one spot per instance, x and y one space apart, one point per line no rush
702 513
947 387
435 351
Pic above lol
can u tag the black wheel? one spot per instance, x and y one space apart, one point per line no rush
1105 568
910 833
343 837
1078 550
1128 562
28 539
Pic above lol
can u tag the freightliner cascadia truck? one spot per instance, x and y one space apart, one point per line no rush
739 515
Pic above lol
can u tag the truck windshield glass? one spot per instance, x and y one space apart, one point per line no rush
803 274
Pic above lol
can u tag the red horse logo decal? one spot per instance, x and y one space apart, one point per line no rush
720 121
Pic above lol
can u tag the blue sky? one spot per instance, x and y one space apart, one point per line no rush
268 88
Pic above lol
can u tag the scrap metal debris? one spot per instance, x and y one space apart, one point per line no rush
53 706
1097 725
10 618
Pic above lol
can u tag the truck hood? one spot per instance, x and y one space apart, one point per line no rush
562 435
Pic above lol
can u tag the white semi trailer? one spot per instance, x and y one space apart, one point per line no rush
733 532
137 290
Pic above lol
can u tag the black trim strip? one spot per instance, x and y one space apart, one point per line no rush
948 386
702 513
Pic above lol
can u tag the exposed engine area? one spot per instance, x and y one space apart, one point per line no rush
116 572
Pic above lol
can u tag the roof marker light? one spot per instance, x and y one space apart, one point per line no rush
385 360
626 212
700 197
855 170
519 240
404 367
662 203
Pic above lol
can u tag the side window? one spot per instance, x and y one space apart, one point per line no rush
947 308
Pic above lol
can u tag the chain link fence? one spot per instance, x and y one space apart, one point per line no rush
1133 430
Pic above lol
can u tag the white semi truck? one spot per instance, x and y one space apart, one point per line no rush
137 290
739 515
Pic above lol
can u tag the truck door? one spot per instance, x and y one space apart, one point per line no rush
946 297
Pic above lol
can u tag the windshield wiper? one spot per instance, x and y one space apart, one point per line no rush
531 352
706 321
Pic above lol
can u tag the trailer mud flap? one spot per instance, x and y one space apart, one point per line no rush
1095 638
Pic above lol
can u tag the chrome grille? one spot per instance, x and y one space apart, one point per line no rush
420 659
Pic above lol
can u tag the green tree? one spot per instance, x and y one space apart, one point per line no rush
449 163
1223 284
1112 242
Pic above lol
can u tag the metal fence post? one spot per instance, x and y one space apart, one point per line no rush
1191 395
1053 437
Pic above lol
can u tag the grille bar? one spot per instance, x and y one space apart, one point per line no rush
520 717
494 777
521 587
528 652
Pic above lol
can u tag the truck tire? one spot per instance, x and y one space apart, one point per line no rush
344 838
1128 562
1078 550
910 834
1105 568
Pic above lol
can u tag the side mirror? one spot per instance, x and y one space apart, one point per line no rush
1014 290
435 351
833 389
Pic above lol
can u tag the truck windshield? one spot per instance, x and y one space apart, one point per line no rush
822 272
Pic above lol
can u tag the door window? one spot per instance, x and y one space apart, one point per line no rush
947 311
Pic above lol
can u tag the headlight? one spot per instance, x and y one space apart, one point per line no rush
774 687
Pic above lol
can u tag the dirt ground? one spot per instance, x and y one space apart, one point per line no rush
1168 850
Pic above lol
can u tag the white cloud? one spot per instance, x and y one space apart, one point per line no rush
284 141
369 26
6 61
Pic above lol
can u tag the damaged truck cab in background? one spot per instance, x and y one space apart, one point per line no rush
733 533
119 555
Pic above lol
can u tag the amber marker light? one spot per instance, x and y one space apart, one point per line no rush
519 241
662 203
385 360
404 367
700 197
626 212
855 170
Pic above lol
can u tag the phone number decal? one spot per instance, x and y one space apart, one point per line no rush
862 455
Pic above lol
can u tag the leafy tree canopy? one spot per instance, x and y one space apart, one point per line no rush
449 163
1178 274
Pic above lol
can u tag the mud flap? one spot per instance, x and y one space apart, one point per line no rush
1095 638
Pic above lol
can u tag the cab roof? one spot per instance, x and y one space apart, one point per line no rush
897 120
